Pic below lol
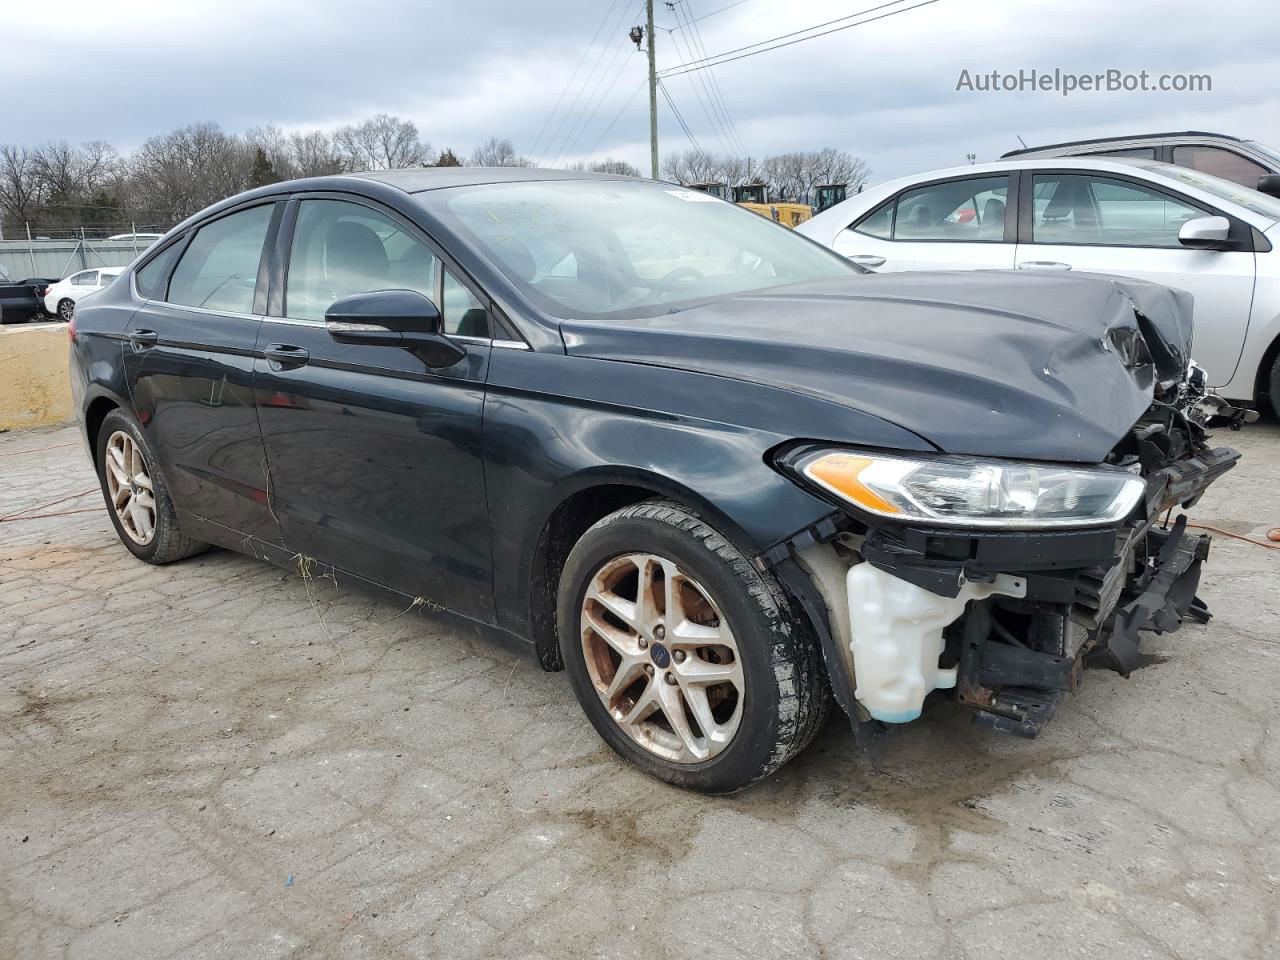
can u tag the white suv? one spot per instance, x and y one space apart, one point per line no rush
60 299
1135 218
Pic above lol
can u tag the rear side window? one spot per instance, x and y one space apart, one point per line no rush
219 269
1226 164
1144 153
151 278
971 210
89 278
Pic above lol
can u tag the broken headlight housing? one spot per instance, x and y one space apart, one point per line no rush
973 492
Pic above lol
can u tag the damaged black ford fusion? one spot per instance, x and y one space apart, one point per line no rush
701 463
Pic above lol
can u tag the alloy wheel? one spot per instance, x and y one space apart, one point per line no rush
66 310
662 658
129 487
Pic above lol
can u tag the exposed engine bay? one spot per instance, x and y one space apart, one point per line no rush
1007 619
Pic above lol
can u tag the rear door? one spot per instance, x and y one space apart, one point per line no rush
962 223
1105 223
375 457
189 363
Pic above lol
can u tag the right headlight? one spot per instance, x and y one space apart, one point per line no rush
973 492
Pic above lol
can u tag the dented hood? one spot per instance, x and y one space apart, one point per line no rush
987 363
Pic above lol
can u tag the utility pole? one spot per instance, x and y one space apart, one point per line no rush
653 93
638 35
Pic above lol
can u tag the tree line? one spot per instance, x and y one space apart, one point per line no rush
789 176
58 188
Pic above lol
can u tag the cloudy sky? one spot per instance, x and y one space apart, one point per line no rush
465 71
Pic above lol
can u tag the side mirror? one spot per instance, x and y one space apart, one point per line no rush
393 318
1204 233
1269 184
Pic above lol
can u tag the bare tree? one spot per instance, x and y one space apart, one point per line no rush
313 154
276 150
497 153
187 169
20 186
382 142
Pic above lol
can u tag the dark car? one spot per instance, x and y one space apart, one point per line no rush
711 469
23 301
1246 162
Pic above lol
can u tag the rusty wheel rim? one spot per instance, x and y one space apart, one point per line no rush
662 658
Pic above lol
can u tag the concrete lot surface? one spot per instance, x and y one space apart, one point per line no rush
219 759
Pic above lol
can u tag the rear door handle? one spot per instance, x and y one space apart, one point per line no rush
286 354
143 338
868 260
1043 265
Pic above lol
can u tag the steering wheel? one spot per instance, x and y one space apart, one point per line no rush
679 273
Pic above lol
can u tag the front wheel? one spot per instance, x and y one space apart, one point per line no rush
687 660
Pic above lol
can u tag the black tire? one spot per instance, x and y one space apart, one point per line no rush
1273 385
168 543
786 698
66 310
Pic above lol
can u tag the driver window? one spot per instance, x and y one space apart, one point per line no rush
342 248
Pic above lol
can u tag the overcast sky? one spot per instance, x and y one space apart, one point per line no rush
464 71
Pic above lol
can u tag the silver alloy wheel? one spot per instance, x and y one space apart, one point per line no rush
662 658
129 486
67 310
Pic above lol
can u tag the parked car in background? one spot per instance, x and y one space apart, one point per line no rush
60 298
1245 162
22 301
1136 218
708 467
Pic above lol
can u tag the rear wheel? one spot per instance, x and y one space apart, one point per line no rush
66 310
1273 383
136 494
687 660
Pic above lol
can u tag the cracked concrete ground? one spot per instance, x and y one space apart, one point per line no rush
203 760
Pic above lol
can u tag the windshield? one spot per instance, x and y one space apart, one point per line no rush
1251 200
617 249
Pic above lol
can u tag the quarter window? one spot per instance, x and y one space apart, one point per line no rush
219 270
1226 164
150 279
970 210
1081 209
341 249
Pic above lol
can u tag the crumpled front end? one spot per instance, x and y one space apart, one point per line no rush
1005 609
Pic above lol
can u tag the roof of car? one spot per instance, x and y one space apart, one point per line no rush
1122 139
419 179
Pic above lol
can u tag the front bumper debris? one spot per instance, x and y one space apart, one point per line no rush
915 610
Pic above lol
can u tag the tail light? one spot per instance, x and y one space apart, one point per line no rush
71 329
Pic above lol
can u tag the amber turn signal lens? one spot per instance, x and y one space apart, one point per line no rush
839 473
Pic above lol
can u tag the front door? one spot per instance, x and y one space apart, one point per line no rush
959 224
1100 224
375 458
189 363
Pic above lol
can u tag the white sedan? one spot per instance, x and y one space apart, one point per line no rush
1135 218
60 299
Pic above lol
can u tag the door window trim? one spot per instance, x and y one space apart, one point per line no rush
1240 233
1010 209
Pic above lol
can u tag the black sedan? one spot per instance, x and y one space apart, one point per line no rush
703 464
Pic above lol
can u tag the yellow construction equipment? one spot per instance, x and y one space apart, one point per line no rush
755 197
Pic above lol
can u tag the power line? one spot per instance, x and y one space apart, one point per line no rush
714 121
617 116
691 24
722 58
680 119
604 95
555 137
728 6
572 77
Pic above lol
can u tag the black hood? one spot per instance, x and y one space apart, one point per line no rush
988 363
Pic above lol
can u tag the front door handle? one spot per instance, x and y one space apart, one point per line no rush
1043 265
868 260
286 354
143 338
